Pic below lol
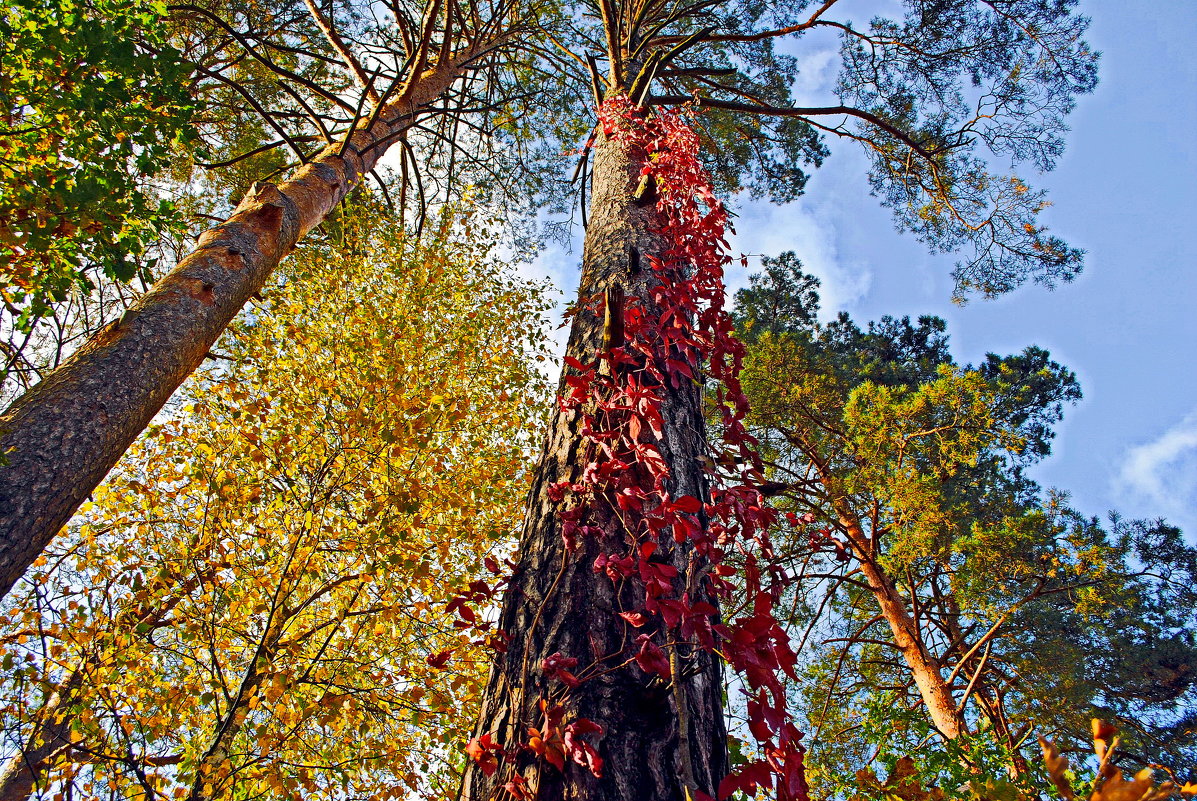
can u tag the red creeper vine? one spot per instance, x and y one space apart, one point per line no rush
621 395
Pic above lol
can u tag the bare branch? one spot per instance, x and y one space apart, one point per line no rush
338 44
784 111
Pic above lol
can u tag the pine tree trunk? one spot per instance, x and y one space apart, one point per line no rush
933 689
63 436
659 741
936 694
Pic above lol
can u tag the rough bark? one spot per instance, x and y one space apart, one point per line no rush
659 741
63 436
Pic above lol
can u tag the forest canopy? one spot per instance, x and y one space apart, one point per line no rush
290 507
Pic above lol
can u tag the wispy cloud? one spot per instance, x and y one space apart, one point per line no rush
558 264
817 72
811 225
808 230
1163 473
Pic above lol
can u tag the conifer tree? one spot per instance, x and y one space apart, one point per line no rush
593 549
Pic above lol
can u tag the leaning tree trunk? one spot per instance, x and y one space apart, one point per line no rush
934 690
924 668
661 742
62 437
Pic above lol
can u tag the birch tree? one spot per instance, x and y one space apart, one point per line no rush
254 603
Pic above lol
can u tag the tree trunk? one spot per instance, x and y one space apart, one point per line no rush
50 737
63 436
660 742
934 690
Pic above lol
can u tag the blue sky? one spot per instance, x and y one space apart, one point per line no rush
1125 190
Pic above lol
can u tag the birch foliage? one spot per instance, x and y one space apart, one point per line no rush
254 604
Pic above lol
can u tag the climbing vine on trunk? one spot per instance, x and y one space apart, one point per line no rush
620 394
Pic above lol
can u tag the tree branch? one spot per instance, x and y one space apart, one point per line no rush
338 44
761 35
784 111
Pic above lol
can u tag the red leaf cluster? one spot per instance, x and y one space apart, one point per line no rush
558 667
666 349
651 658
486 752
556 743
439 659
464 607
682 329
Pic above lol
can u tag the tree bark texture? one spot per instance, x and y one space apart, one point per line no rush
63 436
659 741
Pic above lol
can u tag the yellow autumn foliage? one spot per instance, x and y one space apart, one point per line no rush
1108 783
248 607
909 440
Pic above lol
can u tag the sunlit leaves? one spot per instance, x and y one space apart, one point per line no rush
1034 615
257 599
93 104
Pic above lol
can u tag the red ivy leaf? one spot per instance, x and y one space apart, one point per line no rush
637 619
577 365
518 787
557 667
581 751
651 658
440 659
747 779
462 609
481 750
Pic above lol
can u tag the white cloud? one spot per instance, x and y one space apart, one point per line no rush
810 231
558 264
1163 473
817 72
